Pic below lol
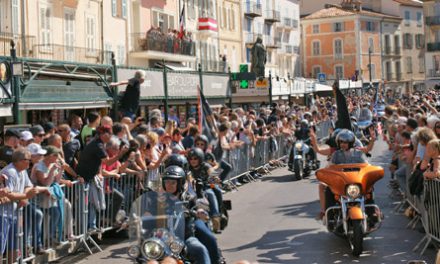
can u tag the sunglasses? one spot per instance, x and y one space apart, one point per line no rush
193 158
40 135
437 127
26 160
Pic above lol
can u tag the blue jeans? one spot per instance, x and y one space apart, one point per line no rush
92 216
213 203
227 168
207 238
34 225
8 233
197 251
53 225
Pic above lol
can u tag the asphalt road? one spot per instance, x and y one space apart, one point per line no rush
272 221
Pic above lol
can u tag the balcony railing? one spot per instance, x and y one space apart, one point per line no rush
271 42
387 50
20 41
252 9
272 16
162 43
434 73
398 76
435 46
433 20
70 53
397 50
251 37
214 66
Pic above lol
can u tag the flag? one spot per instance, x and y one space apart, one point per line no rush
342 109
206 125
181 23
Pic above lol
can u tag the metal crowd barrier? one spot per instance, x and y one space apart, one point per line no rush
430 214
36 225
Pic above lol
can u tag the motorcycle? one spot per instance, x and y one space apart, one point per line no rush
351 212
156 228
301 160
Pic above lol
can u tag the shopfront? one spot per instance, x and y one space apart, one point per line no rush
50 91
180 91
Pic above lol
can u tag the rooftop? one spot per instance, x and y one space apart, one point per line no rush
413 3
338 11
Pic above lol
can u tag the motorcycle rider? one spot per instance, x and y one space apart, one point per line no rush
346 152
303 133
200 242
201 171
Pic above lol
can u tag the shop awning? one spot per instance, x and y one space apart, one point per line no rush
54 91
174 66
64 105
5 110
322 88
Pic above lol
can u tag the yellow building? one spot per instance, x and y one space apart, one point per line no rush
230 33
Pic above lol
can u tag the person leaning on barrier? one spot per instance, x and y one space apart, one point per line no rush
18 189
90 162
11 143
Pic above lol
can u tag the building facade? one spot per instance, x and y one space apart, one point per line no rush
355 39
277 23
230 34
432 39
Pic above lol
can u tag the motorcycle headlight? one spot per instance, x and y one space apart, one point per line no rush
298 146
134 251
176 246
153 249
353 191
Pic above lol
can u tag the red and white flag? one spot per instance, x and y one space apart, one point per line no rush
206 23
181 23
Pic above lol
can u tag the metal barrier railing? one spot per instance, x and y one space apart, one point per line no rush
429 210
85 211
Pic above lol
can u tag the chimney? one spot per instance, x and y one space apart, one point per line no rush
352 5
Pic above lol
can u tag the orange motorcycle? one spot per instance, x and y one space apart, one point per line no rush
351 212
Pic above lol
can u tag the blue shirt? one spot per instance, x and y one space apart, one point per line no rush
17 182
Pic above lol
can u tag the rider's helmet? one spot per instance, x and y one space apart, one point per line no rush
347 136
197 153
177 160
304 123
174 173
307 115
202 138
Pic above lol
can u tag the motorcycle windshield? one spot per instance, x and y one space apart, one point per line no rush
157 215
365 115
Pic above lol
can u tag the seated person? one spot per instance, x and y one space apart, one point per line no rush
346 153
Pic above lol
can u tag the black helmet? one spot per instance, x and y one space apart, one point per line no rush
307 115
177 160
304 123
196 152
346 136
174 173
204 139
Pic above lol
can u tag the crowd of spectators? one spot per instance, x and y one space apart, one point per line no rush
172 41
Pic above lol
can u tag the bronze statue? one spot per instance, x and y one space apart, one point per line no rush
258 59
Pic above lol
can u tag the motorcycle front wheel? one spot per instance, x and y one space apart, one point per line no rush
298 169
357 238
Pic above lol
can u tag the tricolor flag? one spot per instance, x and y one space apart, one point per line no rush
206 125
181 23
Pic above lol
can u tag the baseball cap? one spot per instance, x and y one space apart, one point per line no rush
48 126
52 150
36 149
37 129
26 135
12 133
